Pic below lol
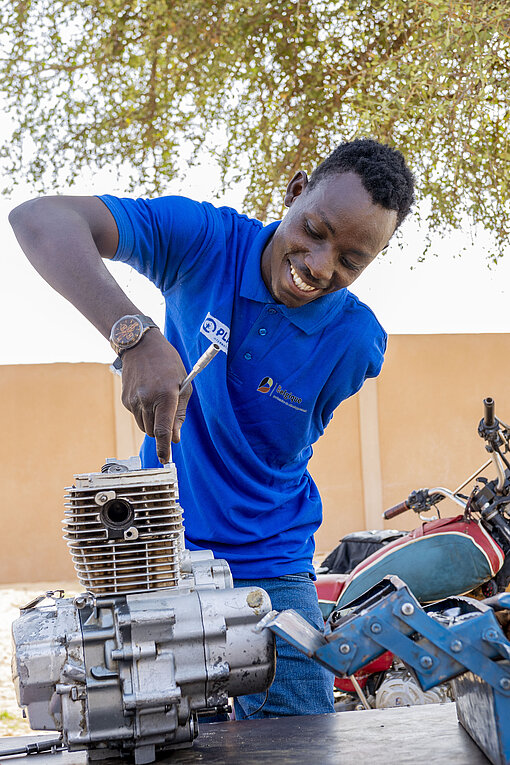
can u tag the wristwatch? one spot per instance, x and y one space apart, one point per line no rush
128 331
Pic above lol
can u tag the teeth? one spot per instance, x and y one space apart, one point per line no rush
300 284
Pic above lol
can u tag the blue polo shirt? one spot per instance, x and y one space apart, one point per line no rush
258 407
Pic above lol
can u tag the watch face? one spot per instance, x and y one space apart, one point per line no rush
127 332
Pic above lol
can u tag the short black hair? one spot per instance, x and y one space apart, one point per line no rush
382 170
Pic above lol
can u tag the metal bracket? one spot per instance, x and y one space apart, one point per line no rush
50 594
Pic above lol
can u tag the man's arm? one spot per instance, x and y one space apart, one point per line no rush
65 239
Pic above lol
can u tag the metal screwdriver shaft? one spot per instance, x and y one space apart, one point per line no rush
202 362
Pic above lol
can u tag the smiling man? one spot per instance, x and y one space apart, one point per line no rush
331 233
294 344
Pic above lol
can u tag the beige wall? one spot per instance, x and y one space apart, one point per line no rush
415 426
57 420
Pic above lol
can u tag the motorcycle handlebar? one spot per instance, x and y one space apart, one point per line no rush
488 407
402 507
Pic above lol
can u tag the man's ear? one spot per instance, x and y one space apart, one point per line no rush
296 187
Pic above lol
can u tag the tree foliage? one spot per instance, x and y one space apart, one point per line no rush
269 87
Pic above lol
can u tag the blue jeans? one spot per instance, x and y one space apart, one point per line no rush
301 686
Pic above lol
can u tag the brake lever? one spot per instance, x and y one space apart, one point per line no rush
430 518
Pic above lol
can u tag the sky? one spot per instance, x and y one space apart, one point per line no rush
452 291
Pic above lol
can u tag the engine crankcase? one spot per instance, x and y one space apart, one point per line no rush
130 673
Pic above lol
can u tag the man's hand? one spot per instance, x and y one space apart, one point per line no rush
151 374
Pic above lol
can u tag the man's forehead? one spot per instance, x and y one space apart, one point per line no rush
340 199
340 189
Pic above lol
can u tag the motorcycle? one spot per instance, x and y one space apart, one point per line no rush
465 554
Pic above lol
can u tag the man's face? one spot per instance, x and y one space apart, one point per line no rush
329 236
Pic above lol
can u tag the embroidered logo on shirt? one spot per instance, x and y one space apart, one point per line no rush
268 385
216 331
265 385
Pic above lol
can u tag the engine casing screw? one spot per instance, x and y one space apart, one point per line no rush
426 662
491 635
505 683
407 609
345 648
375 628
456 646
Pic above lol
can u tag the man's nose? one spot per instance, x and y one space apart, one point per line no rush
321 263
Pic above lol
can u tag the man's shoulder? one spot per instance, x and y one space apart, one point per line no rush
177 208
232 218
361 334
363 312
166 236
363 340
229 215
360 312
221 223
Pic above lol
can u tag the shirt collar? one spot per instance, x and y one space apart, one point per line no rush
310 317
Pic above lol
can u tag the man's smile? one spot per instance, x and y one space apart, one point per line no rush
299 282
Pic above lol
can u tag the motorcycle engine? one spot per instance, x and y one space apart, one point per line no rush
159 635
400 689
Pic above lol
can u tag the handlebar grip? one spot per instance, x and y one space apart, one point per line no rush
488 408
395 510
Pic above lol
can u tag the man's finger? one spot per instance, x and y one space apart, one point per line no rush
180 414
148 420
162 433
137 414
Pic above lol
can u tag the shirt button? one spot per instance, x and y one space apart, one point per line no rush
262 331
271 310
247 356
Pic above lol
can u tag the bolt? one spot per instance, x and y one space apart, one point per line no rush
85 599
426 662
345 648
102 497
491 635
375 628
505 683
456 646
407 609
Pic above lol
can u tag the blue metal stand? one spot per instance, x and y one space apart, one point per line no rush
456 638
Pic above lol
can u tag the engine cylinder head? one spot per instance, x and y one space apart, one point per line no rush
124 530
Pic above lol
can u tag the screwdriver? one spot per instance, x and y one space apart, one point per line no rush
202 362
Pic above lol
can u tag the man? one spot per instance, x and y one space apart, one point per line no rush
295 343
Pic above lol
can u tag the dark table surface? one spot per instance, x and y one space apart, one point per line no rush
421 735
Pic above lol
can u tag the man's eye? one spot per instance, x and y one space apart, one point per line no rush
311 231
351 266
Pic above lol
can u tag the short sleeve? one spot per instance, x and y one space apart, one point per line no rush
162 238
364 359
377 343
